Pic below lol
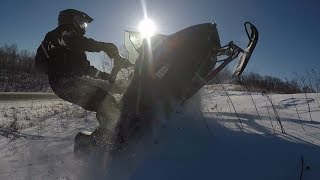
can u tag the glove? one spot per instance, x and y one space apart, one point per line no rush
121 62
93 72
104 76
110 49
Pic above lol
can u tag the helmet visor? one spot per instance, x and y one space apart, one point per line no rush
81 22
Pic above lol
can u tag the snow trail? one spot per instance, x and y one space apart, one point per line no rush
201 140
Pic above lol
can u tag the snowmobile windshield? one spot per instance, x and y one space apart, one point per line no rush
134 40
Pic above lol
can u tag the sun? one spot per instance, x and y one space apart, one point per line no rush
147 28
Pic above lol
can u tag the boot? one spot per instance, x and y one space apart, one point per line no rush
87 142
103 137
82 144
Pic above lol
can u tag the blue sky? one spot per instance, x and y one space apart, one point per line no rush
289 29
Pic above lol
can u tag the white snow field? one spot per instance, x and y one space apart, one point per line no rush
215 135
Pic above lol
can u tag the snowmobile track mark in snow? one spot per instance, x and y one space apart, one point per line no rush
6 132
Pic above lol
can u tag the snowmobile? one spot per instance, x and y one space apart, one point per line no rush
169 69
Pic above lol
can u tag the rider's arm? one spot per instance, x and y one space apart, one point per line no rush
81 43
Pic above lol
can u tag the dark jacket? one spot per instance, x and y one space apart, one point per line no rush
65 52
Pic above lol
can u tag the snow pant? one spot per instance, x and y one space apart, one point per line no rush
81 91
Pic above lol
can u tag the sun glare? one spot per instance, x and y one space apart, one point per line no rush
147 28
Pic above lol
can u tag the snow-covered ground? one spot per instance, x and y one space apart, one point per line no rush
215 135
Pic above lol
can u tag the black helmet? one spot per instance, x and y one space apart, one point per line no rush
74 17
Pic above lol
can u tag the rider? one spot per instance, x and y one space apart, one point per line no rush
62 56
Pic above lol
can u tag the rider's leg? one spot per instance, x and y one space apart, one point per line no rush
108 116
81 91
108 113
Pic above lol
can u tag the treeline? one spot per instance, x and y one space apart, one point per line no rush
259 83
303 82
309 81
13 60
17 72
256 82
